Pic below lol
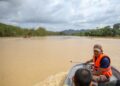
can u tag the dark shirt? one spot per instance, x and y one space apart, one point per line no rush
104 63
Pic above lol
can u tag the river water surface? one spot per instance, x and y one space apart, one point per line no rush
44 61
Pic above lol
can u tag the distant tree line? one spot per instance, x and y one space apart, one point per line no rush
106 31
14 31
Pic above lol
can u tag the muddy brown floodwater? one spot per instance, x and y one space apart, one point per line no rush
44 61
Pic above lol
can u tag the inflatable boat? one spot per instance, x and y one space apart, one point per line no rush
114 80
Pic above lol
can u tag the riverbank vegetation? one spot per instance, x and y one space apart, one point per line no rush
106 31
15 31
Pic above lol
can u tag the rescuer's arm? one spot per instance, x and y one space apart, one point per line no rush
105 63
89 61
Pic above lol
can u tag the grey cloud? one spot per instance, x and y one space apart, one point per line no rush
8 8
60 14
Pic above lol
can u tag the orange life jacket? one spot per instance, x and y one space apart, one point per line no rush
103 71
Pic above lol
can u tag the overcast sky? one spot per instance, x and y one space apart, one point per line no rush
60 14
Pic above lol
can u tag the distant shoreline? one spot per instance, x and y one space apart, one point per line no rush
92 37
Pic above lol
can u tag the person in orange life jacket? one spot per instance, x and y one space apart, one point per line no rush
102 69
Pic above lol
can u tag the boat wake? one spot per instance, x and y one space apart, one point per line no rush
53 80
